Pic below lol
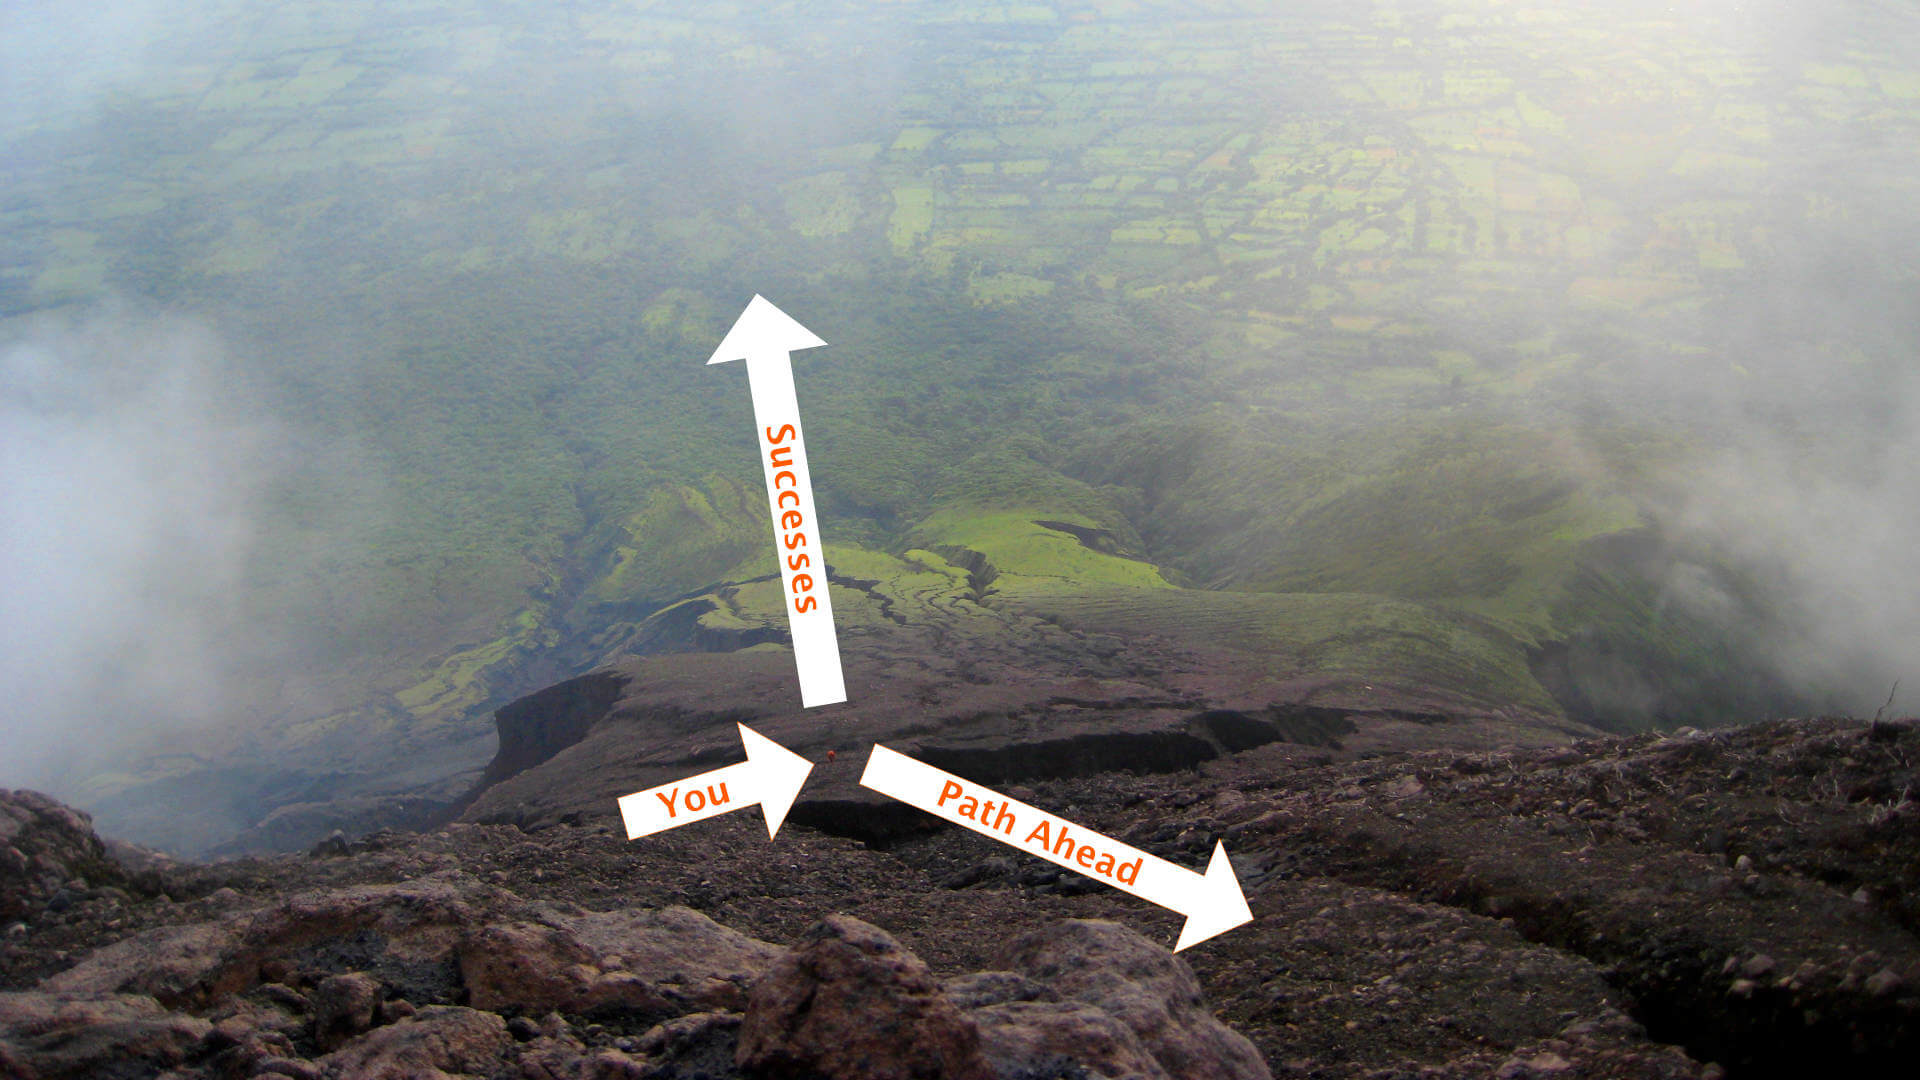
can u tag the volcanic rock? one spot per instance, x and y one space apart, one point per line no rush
441 1039
1452 914
1041 1038
56 1036
1062 702
345 1006
403 932
44 846
1141 985
645 963
849 1003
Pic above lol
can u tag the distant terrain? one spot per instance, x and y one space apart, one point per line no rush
1458 461
1489 354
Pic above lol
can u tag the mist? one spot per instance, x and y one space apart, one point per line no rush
1824 520
133 466
1799 414
351 352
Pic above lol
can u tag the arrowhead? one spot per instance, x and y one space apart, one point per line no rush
1218 904
779 773
763 328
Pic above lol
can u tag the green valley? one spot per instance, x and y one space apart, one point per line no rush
1394 342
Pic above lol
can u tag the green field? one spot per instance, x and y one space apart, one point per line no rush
1333 315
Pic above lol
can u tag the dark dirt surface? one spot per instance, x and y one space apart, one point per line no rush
1059 702
1735 903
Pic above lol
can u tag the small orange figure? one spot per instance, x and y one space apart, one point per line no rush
829 757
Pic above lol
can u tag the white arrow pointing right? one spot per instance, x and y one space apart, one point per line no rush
1212 903
771 776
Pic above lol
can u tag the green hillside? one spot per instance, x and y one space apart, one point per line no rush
1414 316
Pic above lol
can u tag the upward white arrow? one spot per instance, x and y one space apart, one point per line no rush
766 337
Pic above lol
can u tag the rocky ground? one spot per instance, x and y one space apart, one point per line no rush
1737 903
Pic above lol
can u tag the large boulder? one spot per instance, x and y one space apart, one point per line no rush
1028 1031
52 1036
433 939
404 933
646 963
344 1006
1041 1038
441 1041
850 1003
1106 967
1081 998
44 845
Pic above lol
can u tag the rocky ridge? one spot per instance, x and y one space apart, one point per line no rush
446 975
1735 903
